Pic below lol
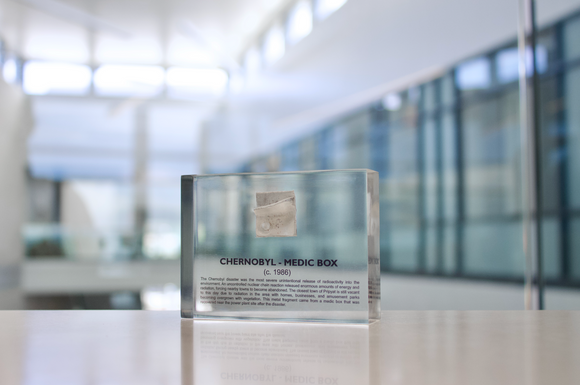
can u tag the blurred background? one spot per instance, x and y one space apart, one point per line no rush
105 104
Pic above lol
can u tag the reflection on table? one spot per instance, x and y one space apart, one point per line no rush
216 352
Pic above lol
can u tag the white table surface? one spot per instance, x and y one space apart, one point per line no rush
423 347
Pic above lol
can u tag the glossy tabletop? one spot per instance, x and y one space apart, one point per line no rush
425 347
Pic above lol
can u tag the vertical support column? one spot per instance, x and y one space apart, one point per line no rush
378 142
531 157
421 195
563 168
439 187
460 191
388 174
140 178
56 201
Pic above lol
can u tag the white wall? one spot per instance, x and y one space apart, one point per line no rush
15 125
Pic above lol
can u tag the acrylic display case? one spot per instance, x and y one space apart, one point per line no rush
292 246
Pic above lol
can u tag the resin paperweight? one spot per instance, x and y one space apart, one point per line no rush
292 246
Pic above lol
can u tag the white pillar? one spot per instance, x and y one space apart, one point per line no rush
15 126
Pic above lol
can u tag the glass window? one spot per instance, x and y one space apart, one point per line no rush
429 96
449 164
474 74
41 78
431 248
404 241
358 153
572 100
324 152
308 149
551 140
507 63
430 172
400 193
260 165
449 248
339 143
574 229
378 137
392 102
290 156
483 172
492 158
572 39
548 41
408 108
129 80
494 249
299 23
551 250
447 90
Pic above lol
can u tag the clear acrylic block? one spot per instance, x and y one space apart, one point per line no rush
292 246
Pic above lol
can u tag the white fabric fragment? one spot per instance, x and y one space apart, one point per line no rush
275 214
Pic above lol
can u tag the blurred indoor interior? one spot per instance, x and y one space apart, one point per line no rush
104 104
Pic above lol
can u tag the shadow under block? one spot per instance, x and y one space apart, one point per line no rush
291 246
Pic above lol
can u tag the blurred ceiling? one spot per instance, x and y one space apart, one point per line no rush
362 51
165 32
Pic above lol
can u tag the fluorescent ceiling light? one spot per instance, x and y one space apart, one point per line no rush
129 80
184 82
299 23
274 45
325 8
40 78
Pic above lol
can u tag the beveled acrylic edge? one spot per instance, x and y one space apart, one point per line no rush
187 246
280 172
293 321
373 246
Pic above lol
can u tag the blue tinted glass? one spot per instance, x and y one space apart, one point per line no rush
507 63
473 74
